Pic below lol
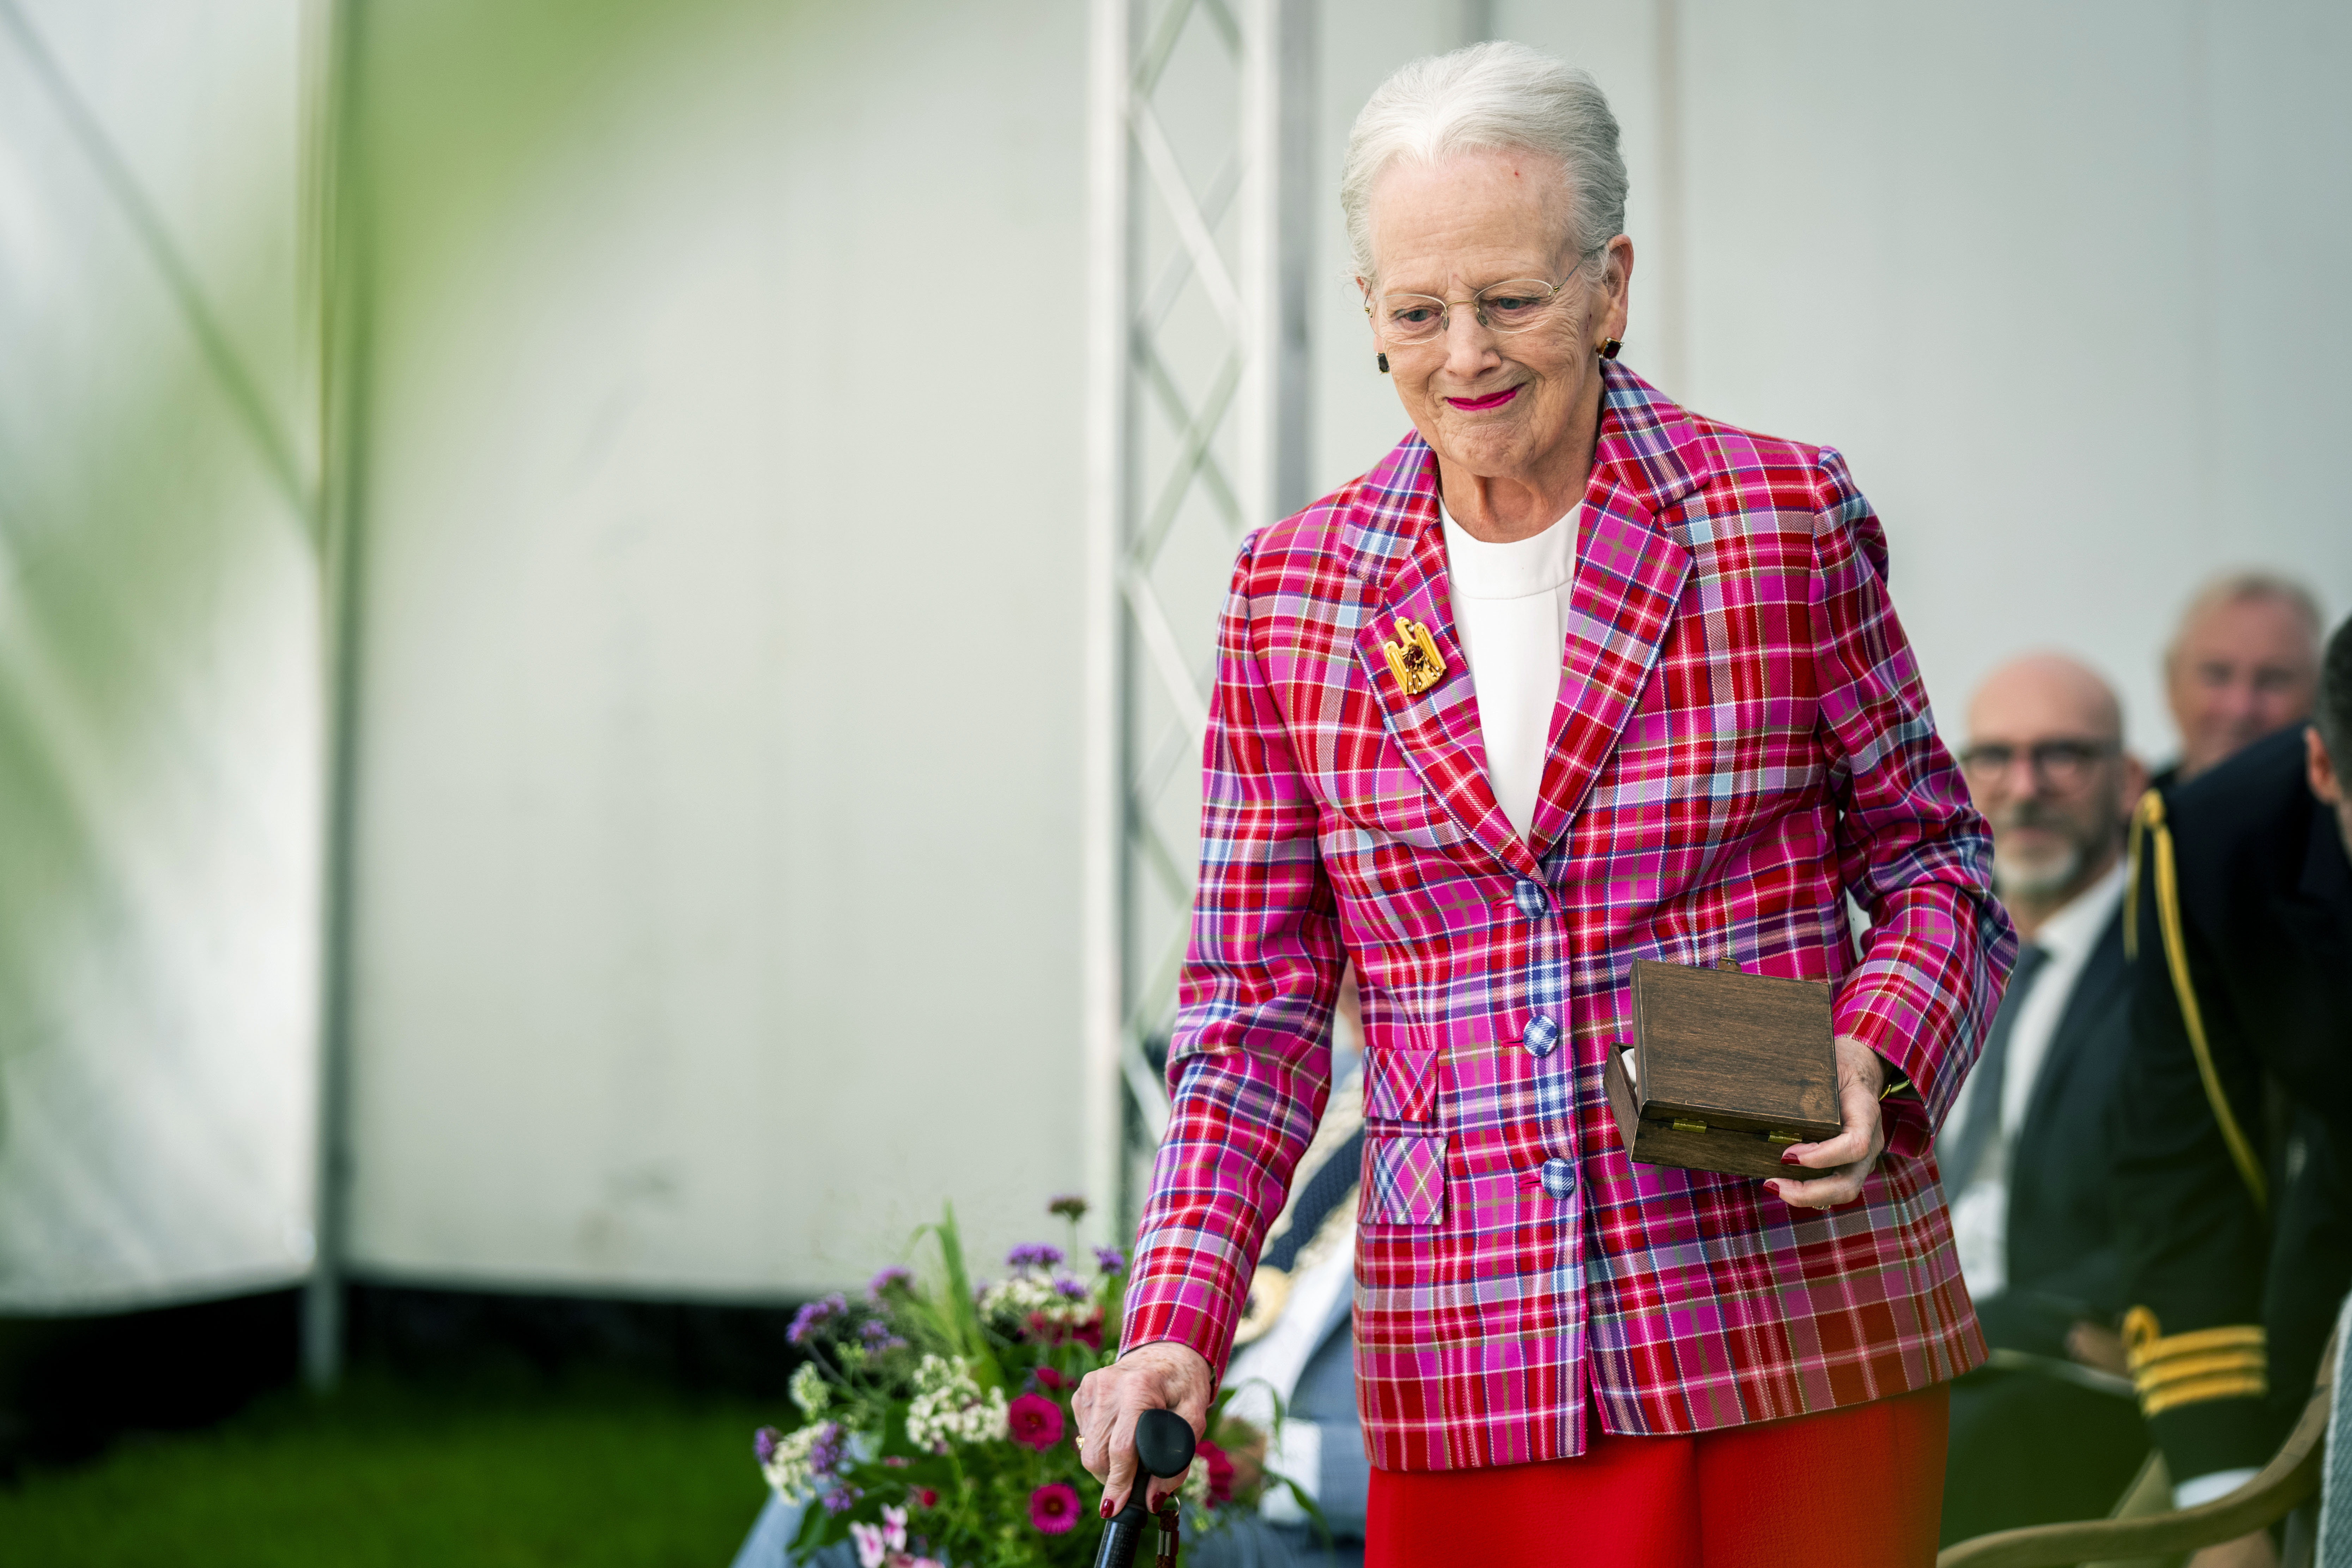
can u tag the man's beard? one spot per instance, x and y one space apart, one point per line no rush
2040 880
2013 881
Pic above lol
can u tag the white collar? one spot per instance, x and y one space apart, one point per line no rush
2074 930
1539 563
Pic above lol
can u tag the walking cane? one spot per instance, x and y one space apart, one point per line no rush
1163 1447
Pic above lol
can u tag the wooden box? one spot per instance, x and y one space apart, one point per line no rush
1726 1069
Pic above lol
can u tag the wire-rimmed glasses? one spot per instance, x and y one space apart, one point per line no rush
1513 305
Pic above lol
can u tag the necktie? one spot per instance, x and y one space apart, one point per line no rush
1968 1142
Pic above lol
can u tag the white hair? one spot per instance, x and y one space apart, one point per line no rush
1494 95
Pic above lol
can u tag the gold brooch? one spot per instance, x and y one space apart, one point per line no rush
1414 662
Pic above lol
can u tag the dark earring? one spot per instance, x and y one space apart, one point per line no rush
1609 347
1383 362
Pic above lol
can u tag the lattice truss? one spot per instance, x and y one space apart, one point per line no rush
1210 411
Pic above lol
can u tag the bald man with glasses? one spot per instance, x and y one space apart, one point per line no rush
2047 1431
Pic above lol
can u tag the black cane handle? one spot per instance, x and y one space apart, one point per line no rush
1163 1445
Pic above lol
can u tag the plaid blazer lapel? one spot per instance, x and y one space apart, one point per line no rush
1630 571
1399 550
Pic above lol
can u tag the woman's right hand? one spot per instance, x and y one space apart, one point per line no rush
1162 1375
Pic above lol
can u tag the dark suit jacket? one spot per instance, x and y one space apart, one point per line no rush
2267 907
2063 1262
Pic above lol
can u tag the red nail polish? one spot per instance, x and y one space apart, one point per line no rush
1787 1156
1106 1507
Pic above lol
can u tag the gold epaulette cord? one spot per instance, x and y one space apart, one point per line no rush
2148 823
2227 1362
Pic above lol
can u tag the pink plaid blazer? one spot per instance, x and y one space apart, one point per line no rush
1741 741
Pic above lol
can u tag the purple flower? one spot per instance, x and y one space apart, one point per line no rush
1070 1289
1110 1260
809 1318
1069 1206
890 1279
765 1441
1032 1254
830 1449
841 1500
1053 1508
877 1336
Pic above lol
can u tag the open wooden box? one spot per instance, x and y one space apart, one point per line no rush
1726 1069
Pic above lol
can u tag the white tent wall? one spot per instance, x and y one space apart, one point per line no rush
716 873
160 757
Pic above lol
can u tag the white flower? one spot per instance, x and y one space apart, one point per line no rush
948 1406
1059 1301
787 1469
871 1551
809 1389
894 1528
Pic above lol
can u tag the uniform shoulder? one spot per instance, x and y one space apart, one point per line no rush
2244 824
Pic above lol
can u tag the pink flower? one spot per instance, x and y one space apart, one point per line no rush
925 1498
1220 1473
871 1553
1036 1421
894 1526
1048 1378
1053 1508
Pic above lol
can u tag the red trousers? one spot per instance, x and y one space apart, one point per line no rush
1857 1488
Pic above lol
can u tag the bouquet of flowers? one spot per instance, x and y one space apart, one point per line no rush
935 1418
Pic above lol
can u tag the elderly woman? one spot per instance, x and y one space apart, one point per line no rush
1572 677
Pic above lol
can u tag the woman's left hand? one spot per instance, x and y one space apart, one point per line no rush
1845 1161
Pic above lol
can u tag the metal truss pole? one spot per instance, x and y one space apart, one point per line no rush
1199 169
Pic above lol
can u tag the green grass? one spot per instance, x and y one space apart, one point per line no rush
514 1477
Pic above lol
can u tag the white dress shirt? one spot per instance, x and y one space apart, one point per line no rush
1510 610
1980 1212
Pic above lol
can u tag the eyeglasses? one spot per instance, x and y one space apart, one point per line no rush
1511 306
2062 765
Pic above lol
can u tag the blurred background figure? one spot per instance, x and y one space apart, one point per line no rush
2026 1151
2234 1216
2245 664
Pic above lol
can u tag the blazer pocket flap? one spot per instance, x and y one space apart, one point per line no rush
1400 1086
1404 1180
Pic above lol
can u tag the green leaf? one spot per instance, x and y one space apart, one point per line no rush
895 1441
1313 1509
809 1539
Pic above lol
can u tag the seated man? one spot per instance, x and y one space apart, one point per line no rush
2026 1149
2244 665
2235 1224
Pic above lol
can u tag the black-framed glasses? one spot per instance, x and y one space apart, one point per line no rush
2061 764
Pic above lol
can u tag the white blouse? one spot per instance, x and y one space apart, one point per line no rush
1510 610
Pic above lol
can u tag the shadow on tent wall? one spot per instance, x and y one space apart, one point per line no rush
70 1386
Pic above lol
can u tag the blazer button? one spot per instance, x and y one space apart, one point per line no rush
1541 1035
1560 1178
1530 898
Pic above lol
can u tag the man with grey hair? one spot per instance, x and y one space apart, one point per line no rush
2024 1155
2243 663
